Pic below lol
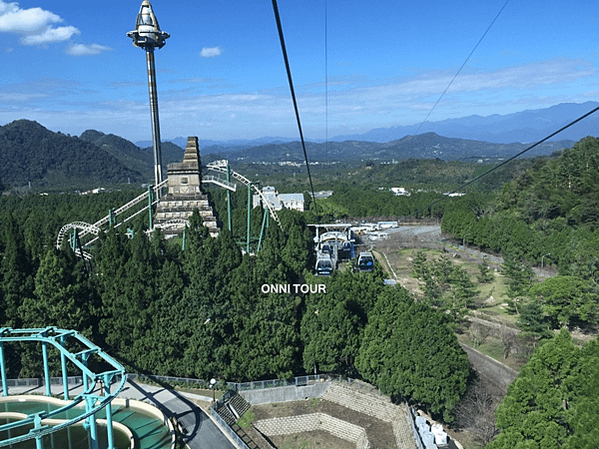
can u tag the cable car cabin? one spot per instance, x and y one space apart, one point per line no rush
325 265
326 249
346 251
365 262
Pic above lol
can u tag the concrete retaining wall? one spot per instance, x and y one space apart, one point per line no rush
498 373
315 421
285 394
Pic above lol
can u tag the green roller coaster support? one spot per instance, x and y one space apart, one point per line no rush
265 220
247 246
76 247
73 239
229 223
46 368
37 424
150 201
107 380
63 364
91 421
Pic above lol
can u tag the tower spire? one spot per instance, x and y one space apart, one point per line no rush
148 36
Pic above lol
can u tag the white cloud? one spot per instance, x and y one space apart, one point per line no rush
83 49
356 103
210 52
16 20
50 36
37 25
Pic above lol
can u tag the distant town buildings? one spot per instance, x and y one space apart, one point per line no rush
399 191
323 194
280 201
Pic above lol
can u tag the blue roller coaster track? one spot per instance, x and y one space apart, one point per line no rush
59 339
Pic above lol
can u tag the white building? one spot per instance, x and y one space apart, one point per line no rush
280 201
399 191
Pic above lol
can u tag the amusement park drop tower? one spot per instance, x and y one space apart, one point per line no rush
147 35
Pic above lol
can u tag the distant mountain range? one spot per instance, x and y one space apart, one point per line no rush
422 146
182 142
526 126
36 155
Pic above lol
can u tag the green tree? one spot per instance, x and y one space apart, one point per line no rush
16 273
533 320
548 404
297 253
172 323
519 275
332 322
419 266
63 295
584 409
485 273
409 350
267 344
463 292
565 298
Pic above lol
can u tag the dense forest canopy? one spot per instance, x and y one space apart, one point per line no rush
201 312
198 312
550 210
554 402
32 154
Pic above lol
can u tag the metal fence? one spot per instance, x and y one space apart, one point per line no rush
299 381
231 387
38 382
199 383
225 427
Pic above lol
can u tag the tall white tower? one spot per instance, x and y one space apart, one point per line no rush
147 35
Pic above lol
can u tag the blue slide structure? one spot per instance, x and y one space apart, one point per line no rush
93 402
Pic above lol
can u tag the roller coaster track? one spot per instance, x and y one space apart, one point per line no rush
87 229
93 402
221 167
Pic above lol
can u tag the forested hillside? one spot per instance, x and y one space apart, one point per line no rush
54 161
548 215
32 154
134 157
552 208
202 312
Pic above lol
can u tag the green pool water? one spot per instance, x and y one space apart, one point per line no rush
150 432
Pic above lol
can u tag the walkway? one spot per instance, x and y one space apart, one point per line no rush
199 431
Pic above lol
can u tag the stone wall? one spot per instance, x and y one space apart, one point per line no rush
312 422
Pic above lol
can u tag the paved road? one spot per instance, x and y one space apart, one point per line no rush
200 432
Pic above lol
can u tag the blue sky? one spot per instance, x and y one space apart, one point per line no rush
71 67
